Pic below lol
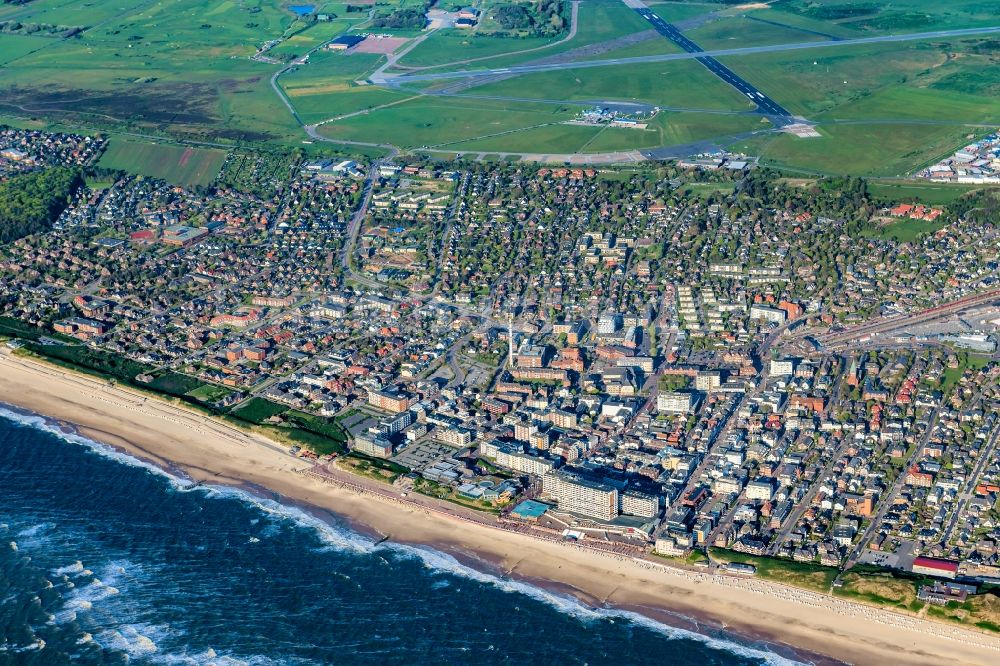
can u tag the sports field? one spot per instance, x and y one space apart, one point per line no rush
180 165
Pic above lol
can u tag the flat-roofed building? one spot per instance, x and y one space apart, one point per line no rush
768 314
396 423
512 457
637 503
675 402
781 367
578 494
377 447
390 401
182 235
708 380
456 436
761 489
532 356
932 566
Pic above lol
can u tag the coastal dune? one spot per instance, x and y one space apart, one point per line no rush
214 452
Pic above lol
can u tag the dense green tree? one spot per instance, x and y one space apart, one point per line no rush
31 202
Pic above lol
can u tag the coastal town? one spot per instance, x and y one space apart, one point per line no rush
714 368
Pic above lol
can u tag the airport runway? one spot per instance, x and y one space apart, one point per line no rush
398 79
765 104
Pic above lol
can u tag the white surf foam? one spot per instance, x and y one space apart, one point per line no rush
84 598
343 539
135 640
446 564
102 449
75 568
35 530
338 538
210 657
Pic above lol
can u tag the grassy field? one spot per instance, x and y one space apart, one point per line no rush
683 83
739 31
258 410
899 104
674 11
327 87
647 47
884 149
893 17
801 22
704 190
181 67
905 231
181 165
209 393
557 138
668 129
176 384
818 80
799 574
14 47
598 22
183 70
435 122
448 46
932 194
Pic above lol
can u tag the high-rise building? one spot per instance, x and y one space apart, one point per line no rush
577 494
636 503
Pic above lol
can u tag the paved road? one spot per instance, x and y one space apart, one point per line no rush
666 57
967 493
885 501
764 104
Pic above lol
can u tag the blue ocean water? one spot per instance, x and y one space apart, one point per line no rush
106 560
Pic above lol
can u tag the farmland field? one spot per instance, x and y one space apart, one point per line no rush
176 164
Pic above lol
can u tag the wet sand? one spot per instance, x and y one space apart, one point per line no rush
211 451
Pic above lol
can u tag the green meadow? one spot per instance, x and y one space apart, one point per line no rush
681 83
182 69
182 165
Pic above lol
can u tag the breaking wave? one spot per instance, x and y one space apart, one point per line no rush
102 449
142 642
442 563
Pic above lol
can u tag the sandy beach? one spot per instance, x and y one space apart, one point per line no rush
207 450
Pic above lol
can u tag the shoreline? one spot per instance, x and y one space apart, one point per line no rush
816 627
